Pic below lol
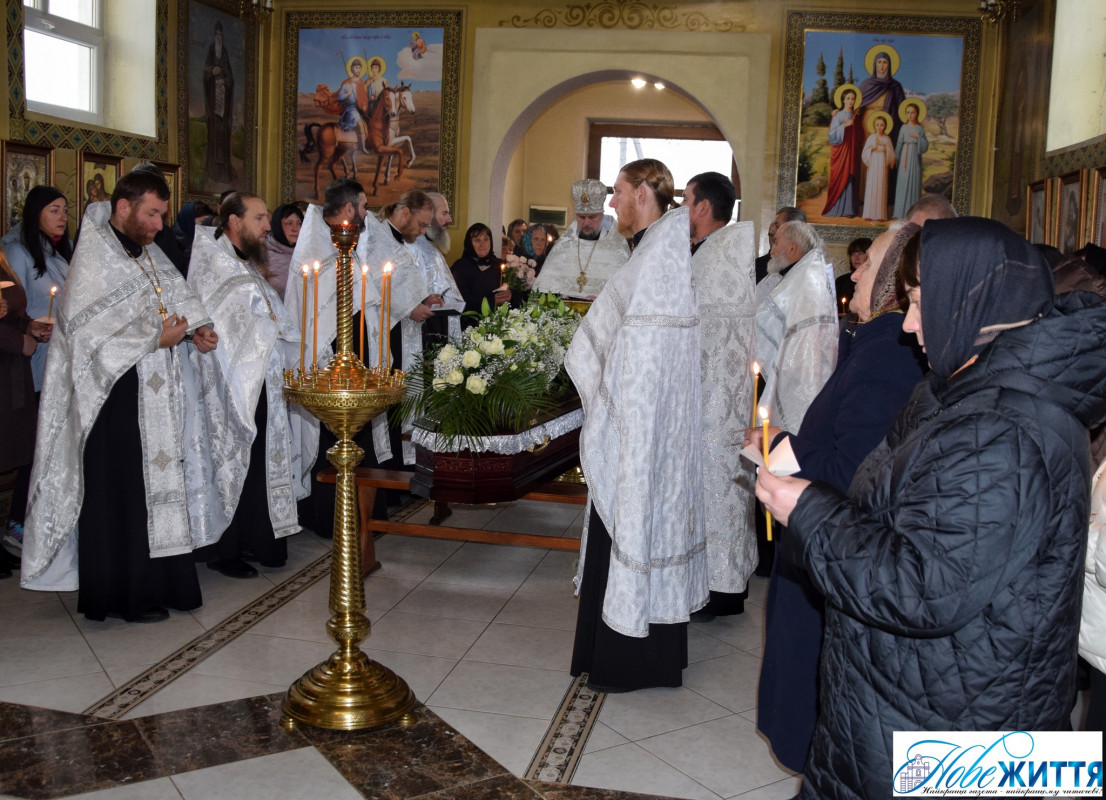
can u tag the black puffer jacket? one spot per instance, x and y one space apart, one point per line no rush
952 572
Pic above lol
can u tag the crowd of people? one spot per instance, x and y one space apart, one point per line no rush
929 458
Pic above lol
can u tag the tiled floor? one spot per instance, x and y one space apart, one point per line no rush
482 634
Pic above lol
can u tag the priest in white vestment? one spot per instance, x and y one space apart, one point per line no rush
589 252
796 325
255 470
430 255
635 363
108 513
722 272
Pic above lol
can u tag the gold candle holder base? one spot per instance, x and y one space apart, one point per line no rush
348 691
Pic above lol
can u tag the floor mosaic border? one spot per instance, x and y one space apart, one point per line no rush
157 677
560 751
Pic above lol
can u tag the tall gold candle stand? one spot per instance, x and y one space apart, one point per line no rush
348 691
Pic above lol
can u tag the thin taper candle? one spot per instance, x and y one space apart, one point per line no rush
303 320
364 277
388 315
756 380
315 324
50 310
764 446
380 339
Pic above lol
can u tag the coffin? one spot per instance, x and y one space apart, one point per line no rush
509 467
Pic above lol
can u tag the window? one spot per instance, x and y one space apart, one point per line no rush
686 149
63 58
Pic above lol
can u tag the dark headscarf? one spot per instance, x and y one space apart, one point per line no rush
887 289
31 235
978 278
470 252
277 224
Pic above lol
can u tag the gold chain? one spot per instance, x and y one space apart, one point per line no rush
154 280
582 279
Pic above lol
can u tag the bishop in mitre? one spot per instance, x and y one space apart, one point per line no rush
108 513
589 252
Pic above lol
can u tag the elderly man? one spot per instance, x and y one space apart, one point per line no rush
929 206
589 252
785 214
255 466
635 362
430 255
115 360
722 271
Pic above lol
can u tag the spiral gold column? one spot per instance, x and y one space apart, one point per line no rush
348 691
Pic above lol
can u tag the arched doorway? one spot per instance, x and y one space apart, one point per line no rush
518 74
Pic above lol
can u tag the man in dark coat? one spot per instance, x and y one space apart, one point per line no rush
953 569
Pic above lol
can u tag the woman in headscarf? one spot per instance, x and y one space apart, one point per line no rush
281 241
878 367
952 569
39 250
535 245
478 275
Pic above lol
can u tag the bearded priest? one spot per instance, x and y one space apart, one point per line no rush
635 363
108 512
255 467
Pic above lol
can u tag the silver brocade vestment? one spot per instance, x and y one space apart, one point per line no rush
439 280
375 247
796 338
571 255
108 322
254 350
722 270
635 363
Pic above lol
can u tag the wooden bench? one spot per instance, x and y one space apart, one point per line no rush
370 479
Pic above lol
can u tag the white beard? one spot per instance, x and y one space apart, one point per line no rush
439 237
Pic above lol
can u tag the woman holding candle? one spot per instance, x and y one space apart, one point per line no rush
39 250
479 275
19 336
952 569
877 368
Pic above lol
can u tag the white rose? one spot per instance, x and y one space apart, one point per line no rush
470 359
448 352
440 383
492 346
455 377
476 384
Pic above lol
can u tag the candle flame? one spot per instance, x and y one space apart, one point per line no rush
756 368
53 290
364 269
316 266
306 269
762 411
387 267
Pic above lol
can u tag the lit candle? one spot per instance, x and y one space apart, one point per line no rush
502 274
303 321
756 380
844 306
50 310
387 300
383 330
764 445
315 323
364 277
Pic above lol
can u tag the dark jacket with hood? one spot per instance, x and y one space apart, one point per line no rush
953 569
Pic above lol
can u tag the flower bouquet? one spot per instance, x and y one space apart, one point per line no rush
519 273
498 378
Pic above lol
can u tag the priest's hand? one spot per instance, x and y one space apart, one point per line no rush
421 313
434 300
779 495
205 339
173 329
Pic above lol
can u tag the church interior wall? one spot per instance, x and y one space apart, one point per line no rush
529 174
